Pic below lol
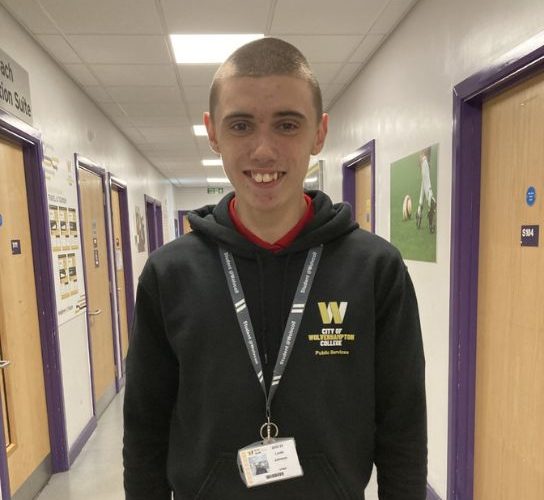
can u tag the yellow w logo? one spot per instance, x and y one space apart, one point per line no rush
332 312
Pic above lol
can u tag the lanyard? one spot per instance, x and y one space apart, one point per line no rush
291 328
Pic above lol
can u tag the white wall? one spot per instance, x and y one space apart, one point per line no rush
196 197
70 123
403 99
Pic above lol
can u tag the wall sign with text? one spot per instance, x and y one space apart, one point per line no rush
14 89
529 236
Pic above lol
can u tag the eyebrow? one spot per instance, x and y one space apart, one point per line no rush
280 114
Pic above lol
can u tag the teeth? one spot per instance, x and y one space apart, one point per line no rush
257 177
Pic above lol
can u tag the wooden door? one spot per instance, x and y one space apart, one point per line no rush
509 433
186 225
120 271
363 195
23 392
93 224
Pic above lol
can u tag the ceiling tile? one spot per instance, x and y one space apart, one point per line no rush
177 135
198 94
112 109
332 91
81 74
144 108
59 49
134 135
392 15
197 74
329 48
216 16
347 73
121 49
30 15
135 74
369 45
97 94
105 16
161 121
326 72
325 17
144 93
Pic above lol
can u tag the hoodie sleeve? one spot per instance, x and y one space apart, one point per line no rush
151 386
401 422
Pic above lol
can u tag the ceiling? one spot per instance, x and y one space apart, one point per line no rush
119 53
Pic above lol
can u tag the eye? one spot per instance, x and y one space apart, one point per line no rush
239 127
288 126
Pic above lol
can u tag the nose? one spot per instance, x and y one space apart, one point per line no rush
264 150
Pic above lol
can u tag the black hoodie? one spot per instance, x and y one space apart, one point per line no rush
352 392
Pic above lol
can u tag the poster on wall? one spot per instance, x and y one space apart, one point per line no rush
139 237
65 238
414 204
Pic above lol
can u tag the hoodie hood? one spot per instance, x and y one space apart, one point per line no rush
330 221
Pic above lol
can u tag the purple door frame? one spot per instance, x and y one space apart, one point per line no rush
181 214
30 140
367 152
153 213
121 187
521 63
92 167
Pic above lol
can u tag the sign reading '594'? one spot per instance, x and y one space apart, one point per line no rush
14 89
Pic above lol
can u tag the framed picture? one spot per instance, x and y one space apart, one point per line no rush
414 204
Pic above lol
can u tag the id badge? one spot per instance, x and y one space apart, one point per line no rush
268 461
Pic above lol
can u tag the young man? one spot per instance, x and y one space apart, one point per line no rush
275 318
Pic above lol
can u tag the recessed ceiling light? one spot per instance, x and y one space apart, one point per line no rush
215 162
208 49
217 180
200 130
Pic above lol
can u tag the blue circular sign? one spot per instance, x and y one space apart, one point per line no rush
531 196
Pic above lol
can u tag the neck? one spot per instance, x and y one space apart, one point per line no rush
269 225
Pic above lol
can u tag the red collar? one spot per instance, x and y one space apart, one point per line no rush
286 239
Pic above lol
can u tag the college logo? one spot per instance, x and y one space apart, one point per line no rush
332 341
332 312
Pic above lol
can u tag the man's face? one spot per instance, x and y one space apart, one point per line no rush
265 129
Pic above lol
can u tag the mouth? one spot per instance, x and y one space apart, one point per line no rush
261 177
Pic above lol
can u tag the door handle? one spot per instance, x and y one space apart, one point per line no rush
95 313
4 363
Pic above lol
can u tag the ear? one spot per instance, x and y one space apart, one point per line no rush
212 136
320 135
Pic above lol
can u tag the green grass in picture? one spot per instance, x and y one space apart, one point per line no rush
414 243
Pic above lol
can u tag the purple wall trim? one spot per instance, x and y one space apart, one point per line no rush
127 254
76 448
516 65
181 214
30 141
153 213
365 152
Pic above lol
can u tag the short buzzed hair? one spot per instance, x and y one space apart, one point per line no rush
266 57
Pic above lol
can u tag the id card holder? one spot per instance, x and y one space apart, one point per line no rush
269 461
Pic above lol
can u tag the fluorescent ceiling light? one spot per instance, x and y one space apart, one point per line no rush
208 49
311 179
200 130
215 162
217 180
